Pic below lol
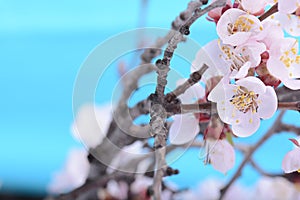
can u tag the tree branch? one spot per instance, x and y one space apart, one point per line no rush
270 12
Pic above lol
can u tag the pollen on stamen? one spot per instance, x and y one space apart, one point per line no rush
237 121
250 120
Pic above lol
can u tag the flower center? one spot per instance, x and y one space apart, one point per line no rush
290 56
242 24
244 100
237 60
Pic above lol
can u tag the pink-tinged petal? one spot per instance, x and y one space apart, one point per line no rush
222 156
290 23
213 50
295 142
293 84
293 26
183 129
253 6
252 84
242 72
227 112
267 103
285 6
271 33
291 161
277 68
218 93
73 174
247 125
91 124
294 70
237 38
192 94
118 190
253 50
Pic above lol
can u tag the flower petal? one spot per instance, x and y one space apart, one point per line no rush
287 6
242 72
267 103
183 129
192 94
252 84
218 93
247 124
91 124
291 161
293 84
222 155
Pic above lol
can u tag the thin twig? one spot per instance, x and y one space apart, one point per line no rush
270 12
194 78
289 128
289 105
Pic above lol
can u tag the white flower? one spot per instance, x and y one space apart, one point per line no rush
277 188
118 190
236 27
220 154
73 174
243 104
185 126
140 184
284 62
210 190
234 60
126 155
291 161
91 124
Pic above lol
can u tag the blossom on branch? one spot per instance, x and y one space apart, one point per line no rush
284 62
236 27
234 60
243 104
185 127
291 161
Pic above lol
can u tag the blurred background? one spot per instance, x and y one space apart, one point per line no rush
42 46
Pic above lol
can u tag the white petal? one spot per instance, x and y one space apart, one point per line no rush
243 71
291 161
247 125
192 94
218 93
293 84
287 6
222 156
277 68
73 174
183 129
91 124
252 84
267 103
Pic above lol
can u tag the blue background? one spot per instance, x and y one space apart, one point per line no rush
42 46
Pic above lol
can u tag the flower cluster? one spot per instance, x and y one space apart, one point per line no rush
250 59
253 56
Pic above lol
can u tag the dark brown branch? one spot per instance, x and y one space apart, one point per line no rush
289 128
285 94
270 12
248 155
289 105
